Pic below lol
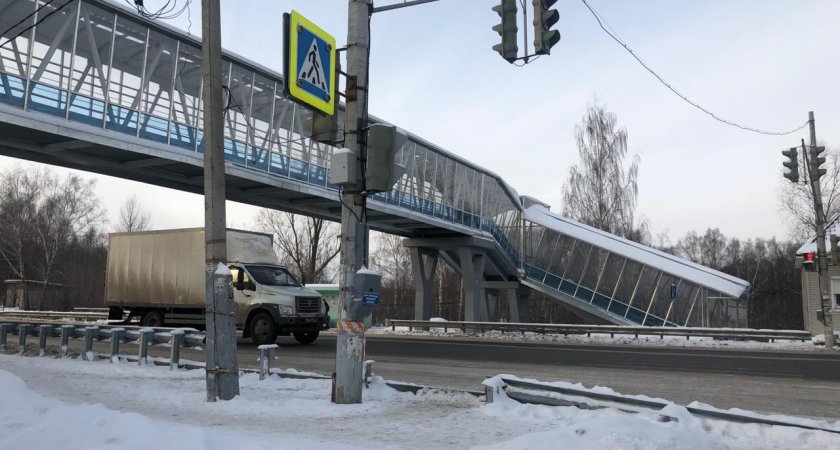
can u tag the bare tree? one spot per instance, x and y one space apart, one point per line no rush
393 261
19 192
307 245
67 209
797 203
133 217
601 192
40 216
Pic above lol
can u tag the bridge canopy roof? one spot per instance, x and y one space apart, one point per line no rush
642 254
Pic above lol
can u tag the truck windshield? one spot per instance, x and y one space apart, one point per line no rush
271 275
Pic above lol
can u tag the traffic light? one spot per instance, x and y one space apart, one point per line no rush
792 164
808 262
816 162
507 30
544 19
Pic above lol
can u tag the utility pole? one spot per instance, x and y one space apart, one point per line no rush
350 343
222 373
822 256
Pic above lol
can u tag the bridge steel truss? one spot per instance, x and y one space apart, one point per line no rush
95 87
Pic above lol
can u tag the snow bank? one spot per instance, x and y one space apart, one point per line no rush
30 420
71 404
653 340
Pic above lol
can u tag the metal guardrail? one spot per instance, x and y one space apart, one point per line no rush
84 316
550 395
612 330
117 335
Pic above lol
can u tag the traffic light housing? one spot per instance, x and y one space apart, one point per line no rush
544 19
792 164
809 263
507 29
816 162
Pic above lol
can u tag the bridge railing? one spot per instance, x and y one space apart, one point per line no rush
612 330
97 63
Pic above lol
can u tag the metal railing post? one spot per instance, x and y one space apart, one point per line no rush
117 337
66 331
43 332
23 330
90 334
367 368
4 332
175 352
266 355
146 336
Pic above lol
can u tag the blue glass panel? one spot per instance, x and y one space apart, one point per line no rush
553 281
154 128
257 158
279 164
428 208
87 110
11 90
182 136
317 175
653 321
121 119
584 294
299 169
200 147
618 308
601 300
234 151
47 99
568 287
636 315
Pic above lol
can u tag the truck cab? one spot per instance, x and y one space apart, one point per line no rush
270 302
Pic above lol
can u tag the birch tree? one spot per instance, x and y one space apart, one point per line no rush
601 191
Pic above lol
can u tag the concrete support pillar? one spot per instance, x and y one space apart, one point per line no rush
491 311
424 263
472 273
519 300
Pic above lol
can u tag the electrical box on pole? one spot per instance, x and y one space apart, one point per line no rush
544 19
507 29
381 169
817 161
792 164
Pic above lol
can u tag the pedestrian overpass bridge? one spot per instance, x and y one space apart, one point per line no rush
93 86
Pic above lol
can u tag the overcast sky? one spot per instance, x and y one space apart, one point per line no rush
759 62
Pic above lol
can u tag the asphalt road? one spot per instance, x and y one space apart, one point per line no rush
803 383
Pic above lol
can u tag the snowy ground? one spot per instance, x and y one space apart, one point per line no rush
71 404
618 339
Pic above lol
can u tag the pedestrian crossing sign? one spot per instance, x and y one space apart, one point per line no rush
309 63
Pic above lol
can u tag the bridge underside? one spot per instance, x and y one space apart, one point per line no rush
54 141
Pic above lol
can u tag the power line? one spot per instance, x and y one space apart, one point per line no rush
607 28
41 20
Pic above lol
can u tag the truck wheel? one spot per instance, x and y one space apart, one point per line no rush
307 337
263 329
152 318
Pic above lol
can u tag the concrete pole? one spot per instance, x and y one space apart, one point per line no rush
222 373
350 342
822 256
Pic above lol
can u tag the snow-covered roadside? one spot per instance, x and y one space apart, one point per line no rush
605 339
72 404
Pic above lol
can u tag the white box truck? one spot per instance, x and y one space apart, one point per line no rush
158 278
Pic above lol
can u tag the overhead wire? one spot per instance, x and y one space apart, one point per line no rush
38 21
169 10
607 29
